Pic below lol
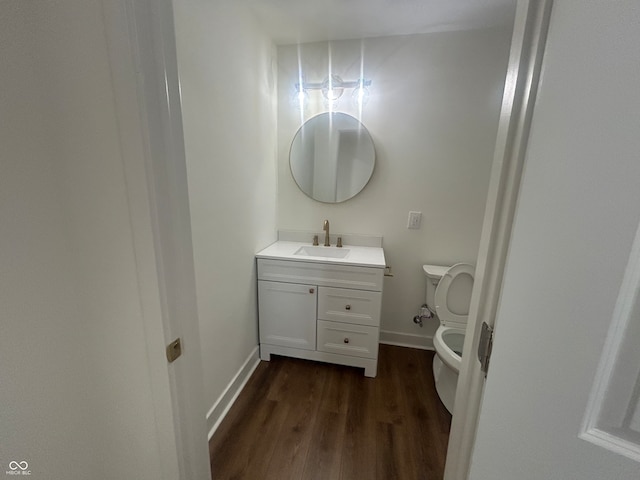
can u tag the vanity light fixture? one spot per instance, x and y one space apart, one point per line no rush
333 87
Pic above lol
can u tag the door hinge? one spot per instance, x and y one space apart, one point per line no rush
484 347
174 350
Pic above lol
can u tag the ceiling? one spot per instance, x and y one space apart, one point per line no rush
302 21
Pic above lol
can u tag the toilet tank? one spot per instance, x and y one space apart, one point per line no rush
433 274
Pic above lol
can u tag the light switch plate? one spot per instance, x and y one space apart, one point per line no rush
414 220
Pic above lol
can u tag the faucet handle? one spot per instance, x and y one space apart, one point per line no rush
315 240
339 244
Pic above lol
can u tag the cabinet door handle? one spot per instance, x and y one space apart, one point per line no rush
347 307
312 290
346 340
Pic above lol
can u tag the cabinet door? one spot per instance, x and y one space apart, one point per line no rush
287 314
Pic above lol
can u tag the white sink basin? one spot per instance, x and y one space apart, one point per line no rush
357 255
327 252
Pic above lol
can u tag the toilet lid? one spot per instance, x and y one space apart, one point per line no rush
453 295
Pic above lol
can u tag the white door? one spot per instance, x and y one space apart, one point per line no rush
576 219
143 64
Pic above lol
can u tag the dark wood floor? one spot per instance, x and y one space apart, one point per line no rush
298 419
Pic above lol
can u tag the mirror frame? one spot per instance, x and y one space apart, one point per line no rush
296 145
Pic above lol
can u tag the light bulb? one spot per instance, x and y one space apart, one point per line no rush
332 88
360 95
300 98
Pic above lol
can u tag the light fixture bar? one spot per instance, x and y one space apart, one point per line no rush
332 89
334 84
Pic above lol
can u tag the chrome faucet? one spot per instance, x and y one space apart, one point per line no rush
325 227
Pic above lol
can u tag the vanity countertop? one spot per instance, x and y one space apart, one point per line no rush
355 255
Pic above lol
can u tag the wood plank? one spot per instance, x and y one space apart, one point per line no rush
325 450
390 403
394 461
337 390
427 413
305 381
359 448
298 419
243 454
236 450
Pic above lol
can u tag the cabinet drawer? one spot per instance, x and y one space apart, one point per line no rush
330 275
349 306
347 339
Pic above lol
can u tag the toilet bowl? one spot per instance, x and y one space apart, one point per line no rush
447 343
451 299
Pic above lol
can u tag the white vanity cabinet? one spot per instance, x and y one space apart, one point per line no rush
320 311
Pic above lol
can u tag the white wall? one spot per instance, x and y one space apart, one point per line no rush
228 91
76 400
433 115
577 214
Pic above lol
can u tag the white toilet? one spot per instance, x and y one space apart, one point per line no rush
449 294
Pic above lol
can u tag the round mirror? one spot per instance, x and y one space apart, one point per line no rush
332 157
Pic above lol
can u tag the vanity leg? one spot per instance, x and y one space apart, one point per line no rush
264 355
371 371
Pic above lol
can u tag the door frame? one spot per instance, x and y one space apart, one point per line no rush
143 62
142 51
531 24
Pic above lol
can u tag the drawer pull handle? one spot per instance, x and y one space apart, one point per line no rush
348 307
346 340
312 290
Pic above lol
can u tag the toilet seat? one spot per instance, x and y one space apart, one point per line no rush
446 316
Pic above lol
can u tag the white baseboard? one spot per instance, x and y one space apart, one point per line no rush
411 340
221 407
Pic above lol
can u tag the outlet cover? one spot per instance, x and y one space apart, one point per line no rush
414 220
